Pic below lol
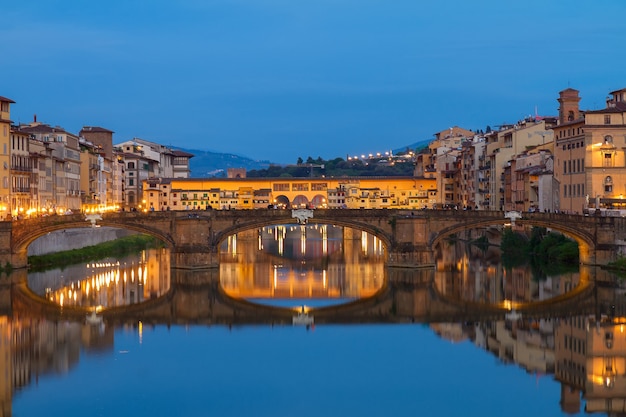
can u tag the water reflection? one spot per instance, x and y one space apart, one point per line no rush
584 354
467 273
303 262
107 283
580 358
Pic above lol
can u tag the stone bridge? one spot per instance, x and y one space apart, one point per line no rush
409 295
409 236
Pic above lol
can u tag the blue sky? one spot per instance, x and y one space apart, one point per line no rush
279 79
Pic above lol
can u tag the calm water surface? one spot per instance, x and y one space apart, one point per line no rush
488 368
367 370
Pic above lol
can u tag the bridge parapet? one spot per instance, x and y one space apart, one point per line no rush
409 236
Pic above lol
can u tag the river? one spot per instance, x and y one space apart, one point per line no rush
399 361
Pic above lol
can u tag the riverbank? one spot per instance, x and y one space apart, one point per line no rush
65 240
115 248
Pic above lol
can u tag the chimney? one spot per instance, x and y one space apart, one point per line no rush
35 118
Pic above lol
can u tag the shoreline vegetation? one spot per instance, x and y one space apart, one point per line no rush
548 253
114 248
618 267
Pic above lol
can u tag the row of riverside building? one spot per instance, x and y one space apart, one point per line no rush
572 163
47 170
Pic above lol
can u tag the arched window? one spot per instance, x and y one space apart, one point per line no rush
608 184
608 139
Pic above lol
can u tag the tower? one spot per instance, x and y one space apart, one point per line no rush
568 105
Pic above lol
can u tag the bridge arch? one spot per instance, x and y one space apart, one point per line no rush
282 201
318 201
77 221
195 236
219 237
585 240
300 201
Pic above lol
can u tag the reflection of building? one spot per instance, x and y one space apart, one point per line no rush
454 332
591 359
528 343
316 261
111 284
31 348
6 375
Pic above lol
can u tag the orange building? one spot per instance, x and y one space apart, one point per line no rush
253 193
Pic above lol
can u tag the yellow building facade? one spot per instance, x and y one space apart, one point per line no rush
256 193
5 134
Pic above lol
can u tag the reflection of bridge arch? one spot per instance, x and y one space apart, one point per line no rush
407 296
585 240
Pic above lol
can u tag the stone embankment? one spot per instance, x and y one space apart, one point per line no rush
75 239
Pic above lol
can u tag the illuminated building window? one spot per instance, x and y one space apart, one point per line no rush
608 185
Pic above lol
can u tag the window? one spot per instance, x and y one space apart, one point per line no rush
131 165
608 185
281 186
607 119
608 139
608 160
131 181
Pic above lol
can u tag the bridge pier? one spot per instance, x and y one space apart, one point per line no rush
409 255
194 257
5 296
6 229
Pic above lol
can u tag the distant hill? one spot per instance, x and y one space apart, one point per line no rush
412 147
206 164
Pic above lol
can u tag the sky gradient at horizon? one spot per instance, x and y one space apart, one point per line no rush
277 80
